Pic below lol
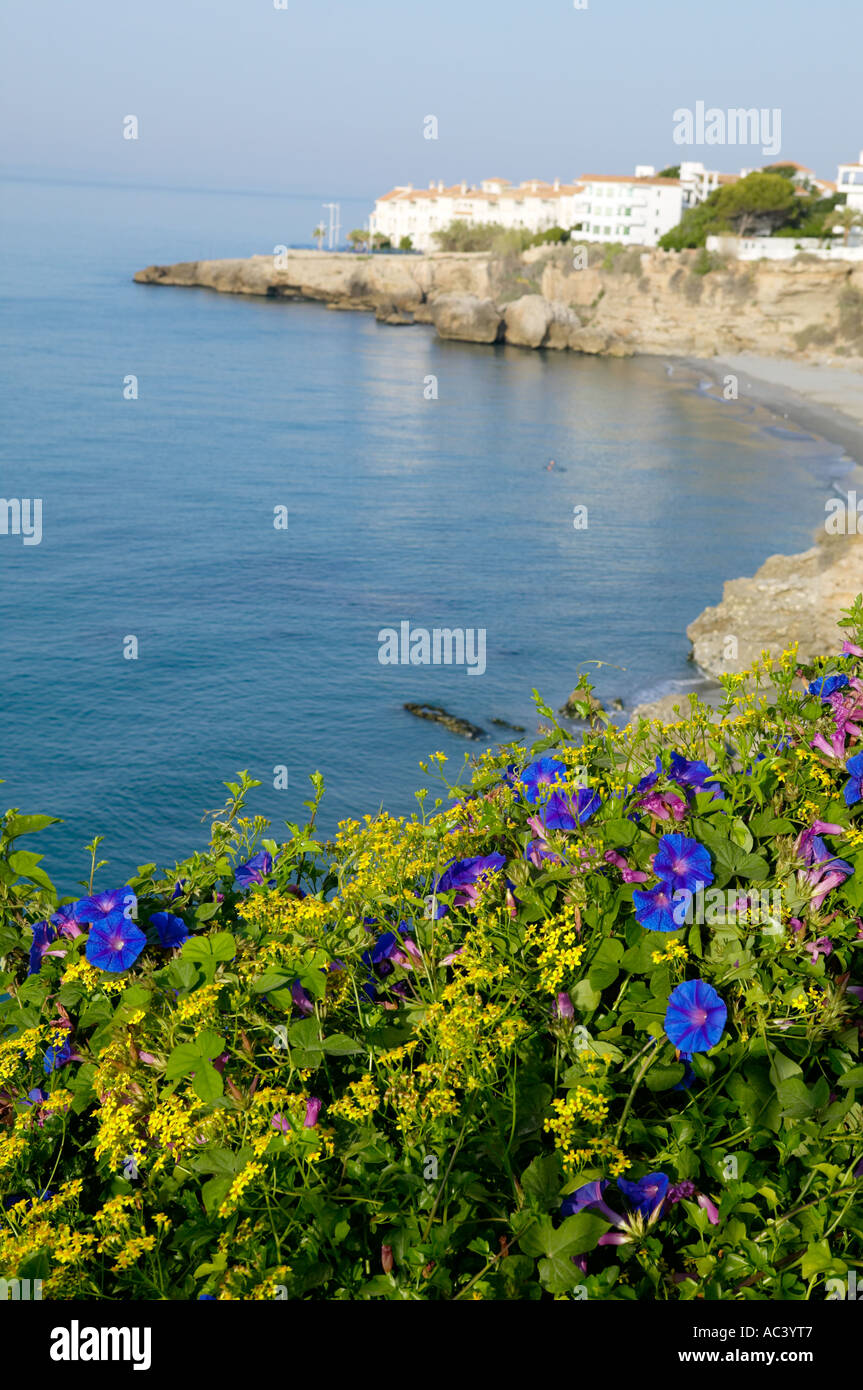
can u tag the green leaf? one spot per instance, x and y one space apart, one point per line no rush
576 1235
209 1044
184 1059
223 945
208 1084
214 1193
619 832
854 1077
817 1259
27 825
541 1180
272 979
340 1045
664 1078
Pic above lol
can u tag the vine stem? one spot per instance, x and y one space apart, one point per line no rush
639 1077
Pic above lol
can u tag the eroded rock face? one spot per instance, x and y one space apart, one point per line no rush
791 598
467 318
639 301
528 320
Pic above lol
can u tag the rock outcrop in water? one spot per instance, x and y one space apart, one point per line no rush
618 304
791 598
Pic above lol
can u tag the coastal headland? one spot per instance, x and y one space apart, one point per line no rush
788 334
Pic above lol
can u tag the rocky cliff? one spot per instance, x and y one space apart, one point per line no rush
686 303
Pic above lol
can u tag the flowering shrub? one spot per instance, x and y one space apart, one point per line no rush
586 1026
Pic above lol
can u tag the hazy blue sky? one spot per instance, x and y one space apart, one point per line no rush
329 96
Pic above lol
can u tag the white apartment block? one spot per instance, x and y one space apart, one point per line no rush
635 211
420 212
849 181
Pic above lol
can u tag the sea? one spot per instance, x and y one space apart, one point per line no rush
239 495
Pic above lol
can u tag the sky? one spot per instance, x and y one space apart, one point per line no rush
330 97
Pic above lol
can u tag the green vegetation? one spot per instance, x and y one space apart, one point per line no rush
586 1024
760 201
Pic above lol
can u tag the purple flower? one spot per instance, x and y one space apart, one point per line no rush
563 1006
115 901
695 1019
827 870
313 1110
43 935
851 649
301 999
114 943
172 931
822 947
536 851
663 805
710 1207
628 875
853 789
281 1123
464 875
589 1197
654 908
255 871
825 686
682 863
67 918
545 772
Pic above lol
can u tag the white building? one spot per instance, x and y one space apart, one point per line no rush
634 210
420 212
849 181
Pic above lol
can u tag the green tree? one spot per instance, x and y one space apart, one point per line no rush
672 172
319 233
756 199
406 244
358 237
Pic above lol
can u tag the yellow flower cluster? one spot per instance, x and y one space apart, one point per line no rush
560 952
675 951
199 1006
359 1102
22 1048
242 1181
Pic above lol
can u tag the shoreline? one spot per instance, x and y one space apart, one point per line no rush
820 398
826 401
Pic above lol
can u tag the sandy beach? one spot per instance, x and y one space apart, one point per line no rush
825 399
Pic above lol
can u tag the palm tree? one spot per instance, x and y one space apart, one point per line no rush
319 233
846 218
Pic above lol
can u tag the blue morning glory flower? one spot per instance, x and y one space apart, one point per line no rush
57 1057
545 772
853 789
255 871
825 686
589 1197
695 1019
114 943
172 930
43 935
682 863
561 812
654 908
115 900
693 776
647 1195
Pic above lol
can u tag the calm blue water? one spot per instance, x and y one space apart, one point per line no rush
259 647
